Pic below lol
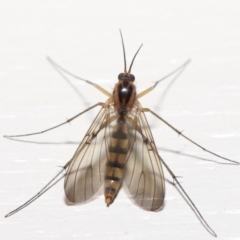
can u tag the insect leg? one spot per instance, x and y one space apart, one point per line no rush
146 91
49 129
188 199
180 133
82 79
50 184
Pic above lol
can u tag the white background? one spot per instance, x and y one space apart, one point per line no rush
83 37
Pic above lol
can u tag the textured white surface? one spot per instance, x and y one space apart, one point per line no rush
83 37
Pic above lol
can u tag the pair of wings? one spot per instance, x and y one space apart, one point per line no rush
143 174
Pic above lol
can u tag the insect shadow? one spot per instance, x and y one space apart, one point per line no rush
119 150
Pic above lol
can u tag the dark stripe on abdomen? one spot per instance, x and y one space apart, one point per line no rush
117 149
115 164
119 135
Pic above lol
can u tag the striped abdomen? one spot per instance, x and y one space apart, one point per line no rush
118 148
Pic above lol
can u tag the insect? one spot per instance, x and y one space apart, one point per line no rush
118 149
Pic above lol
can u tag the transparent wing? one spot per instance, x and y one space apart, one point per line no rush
144 175
85 174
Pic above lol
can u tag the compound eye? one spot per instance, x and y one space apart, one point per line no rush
120 76
132 77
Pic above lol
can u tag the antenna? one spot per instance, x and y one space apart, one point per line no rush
129 71
124 55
